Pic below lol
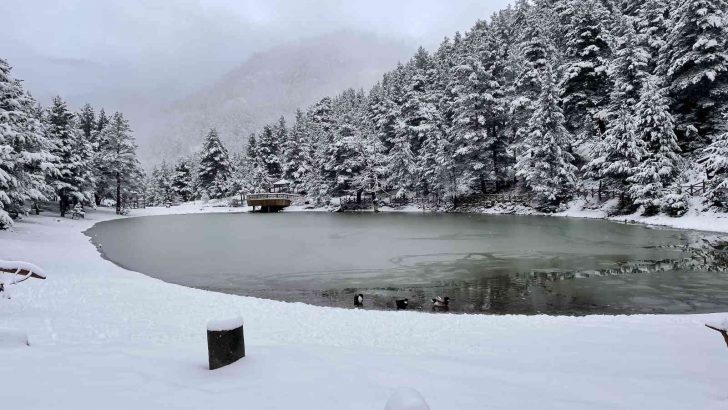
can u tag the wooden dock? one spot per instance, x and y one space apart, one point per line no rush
270 202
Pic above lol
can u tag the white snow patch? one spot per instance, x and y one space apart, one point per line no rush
230 323
11 338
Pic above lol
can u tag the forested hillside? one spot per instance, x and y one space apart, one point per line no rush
545 97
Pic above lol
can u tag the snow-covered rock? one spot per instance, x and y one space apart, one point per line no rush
406 399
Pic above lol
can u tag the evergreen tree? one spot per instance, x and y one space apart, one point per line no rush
293 152
343 163
531 57
585 84
162 189
214 167
546 164
628 68
715 160
652 26
618 155
25 161
87 122
74 181
694 65
268 152
316 184
660 167
119 157
182 181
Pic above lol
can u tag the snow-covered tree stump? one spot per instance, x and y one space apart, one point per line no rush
721 328
225 342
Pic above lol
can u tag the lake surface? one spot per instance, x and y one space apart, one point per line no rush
486 264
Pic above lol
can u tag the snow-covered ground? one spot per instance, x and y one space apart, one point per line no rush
104 337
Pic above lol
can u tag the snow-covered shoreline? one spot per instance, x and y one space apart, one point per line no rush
105 337
694 219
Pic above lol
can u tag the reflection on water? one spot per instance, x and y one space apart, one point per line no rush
485 264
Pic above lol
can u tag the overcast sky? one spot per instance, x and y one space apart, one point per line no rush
118 53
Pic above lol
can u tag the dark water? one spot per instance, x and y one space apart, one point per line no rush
486 264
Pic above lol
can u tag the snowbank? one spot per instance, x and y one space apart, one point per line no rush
105 337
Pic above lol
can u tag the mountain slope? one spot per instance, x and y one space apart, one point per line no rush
266 86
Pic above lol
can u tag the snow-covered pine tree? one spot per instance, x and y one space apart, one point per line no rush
118 155
585 85
268 152
546 164
74 181
102 121
162 188
652 24
182 181
618 155
341 158
420 121
34 164
25 161
320 133
91 130
628 67
293 151
531 57
656 129
716 164
715 160
87 123
250 173
694 65
214 168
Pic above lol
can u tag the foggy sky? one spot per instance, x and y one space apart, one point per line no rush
129 55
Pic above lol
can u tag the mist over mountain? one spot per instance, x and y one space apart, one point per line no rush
264 87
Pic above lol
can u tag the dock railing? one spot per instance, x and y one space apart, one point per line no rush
271 195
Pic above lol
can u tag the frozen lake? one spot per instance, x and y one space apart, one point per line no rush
486 264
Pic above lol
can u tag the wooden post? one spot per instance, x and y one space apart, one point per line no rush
225 342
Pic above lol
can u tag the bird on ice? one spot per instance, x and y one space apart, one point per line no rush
440 302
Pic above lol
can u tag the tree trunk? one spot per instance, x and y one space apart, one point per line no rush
63 204
118 193
358 197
